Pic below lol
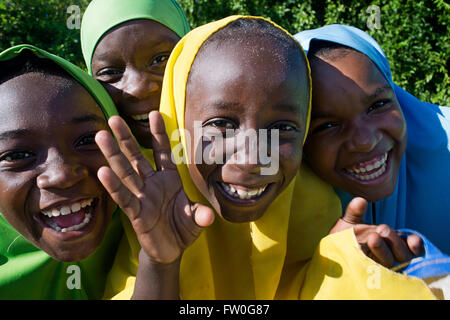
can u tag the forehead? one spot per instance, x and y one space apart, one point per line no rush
350 74
34 100
254 69
144 33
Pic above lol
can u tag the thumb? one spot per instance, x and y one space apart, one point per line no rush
355 211
353 215
203 215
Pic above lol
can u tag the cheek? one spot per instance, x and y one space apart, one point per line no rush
320 153
396 125
290 156
17 198
198 169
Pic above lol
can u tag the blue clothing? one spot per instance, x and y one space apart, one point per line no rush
421 200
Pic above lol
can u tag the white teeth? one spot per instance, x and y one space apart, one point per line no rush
140 117
65 210
86 220
242 194
370 167
76 207
374 175
54 213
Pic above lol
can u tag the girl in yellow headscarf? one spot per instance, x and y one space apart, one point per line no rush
227 81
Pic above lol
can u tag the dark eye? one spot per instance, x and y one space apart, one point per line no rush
324 126
16 156
86 140
221 123
160 59
283 126
109 74
378 105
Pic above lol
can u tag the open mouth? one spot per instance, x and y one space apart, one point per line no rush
370 170
142 119
243 194
71 217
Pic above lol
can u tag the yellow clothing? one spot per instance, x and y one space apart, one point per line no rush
269 258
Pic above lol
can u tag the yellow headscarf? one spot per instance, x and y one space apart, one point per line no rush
264 259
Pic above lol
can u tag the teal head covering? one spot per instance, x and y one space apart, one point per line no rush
103 15
26 272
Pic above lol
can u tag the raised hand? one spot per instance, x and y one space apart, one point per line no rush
379 242
166 222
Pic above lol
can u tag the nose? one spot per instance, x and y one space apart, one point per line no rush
249 153
61 172
140 85
364 137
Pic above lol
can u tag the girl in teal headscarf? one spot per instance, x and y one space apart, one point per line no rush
397 153
126 45
58 228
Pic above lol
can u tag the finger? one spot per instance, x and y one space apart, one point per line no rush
203 216
415 244
192 219
160 142
379 250
129 146
118 162
118 192
397 245
355 211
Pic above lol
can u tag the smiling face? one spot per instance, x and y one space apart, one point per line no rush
129 61
246 86
49 190
358 133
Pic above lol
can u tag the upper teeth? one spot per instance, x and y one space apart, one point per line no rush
243 194
65 210
380 165
370 167
140 117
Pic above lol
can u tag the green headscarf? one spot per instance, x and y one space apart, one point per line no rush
103 15
27 272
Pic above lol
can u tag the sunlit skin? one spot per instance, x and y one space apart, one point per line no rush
260 93
49 159
232 87
129 61
356 121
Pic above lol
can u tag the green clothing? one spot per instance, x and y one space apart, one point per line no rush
26 272
103 15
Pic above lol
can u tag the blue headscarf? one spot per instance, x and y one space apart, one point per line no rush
421 200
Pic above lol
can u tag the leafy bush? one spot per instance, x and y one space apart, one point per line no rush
415 35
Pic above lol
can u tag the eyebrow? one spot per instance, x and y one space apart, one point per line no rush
87 118
13 134
224 105
378 91
18 133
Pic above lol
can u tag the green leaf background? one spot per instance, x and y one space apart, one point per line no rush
415 35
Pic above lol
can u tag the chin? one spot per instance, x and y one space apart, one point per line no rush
232 215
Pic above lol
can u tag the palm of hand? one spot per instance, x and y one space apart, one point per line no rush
166 222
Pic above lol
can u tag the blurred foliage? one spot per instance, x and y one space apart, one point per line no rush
42 23
415 34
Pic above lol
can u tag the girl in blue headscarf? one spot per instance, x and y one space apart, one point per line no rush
370 138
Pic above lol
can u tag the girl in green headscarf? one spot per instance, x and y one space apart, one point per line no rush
125 46
58 227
